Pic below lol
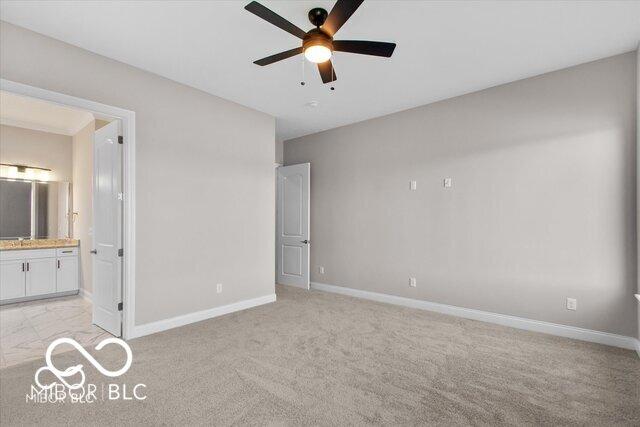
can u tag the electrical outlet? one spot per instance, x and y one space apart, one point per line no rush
447 183
412 282
321 270
219 288
572 304
413 185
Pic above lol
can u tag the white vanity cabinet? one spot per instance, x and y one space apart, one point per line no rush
12 279
38 273
40 276
67 270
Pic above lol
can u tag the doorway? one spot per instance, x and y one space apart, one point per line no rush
112 233
293 239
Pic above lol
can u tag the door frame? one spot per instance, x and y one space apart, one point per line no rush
128 121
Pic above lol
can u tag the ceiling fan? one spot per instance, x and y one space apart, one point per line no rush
318 44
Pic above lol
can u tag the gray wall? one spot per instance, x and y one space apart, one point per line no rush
204 175
279 151
542 205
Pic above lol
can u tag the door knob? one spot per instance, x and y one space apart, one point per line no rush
306 242
95 251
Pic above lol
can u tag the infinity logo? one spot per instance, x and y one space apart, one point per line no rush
73 370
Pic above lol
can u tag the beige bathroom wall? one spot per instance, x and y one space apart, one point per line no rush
40 149
83 200
36 148
99 123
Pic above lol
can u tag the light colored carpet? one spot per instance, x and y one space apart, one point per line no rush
324 359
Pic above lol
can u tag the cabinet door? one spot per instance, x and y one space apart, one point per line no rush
12 283
41 276
67 279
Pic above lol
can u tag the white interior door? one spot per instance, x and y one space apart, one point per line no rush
107 235
292 226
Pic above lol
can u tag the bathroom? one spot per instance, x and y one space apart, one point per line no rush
46 226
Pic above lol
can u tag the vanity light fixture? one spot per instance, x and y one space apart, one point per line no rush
8 170
23 168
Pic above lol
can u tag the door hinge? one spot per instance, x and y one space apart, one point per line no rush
120 252
120 140
119 306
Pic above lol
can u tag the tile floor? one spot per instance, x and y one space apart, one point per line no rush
27 328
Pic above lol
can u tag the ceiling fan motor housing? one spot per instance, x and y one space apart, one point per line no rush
317 37
317 16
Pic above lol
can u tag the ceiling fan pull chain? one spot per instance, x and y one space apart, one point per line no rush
303 79
333 73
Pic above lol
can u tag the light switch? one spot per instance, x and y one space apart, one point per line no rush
413 185
447 183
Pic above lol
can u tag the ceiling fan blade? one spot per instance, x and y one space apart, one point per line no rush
273 18
278 56
341 12
327 72
365 47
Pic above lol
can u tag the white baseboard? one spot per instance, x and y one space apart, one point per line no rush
85 294
485 316
38 297
295 286
185 319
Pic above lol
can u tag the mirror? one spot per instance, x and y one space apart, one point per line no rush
34 209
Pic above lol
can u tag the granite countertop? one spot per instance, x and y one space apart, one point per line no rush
12 245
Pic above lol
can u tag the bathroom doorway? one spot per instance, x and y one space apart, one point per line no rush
64 269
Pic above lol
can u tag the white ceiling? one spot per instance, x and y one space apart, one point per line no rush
39 115
445 48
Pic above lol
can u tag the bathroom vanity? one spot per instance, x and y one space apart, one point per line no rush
37 257
35 269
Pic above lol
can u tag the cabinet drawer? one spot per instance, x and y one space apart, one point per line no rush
21 254
67 251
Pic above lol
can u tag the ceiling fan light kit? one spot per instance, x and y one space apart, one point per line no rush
318 44
317 53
